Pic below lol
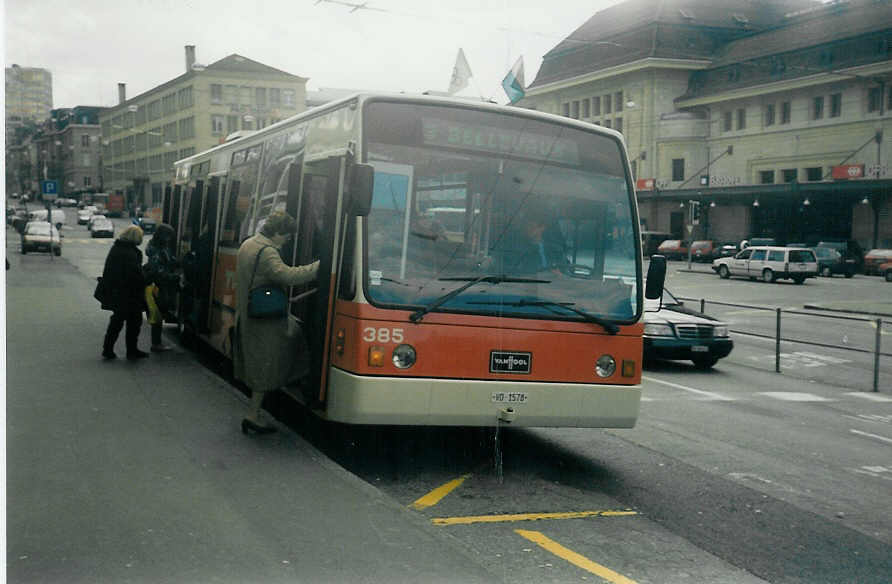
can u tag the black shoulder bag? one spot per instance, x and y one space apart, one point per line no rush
266 301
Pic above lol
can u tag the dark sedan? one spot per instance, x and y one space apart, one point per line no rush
832 262
678 332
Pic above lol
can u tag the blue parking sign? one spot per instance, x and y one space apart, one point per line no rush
49 187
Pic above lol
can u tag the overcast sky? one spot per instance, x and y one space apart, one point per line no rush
395 45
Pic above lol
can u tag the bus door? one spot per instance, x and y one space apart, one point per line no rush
167 204
190 230
205 250
316 211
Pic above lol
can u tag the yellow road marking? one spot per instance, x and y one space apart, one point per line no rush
437 494
574 558
467 520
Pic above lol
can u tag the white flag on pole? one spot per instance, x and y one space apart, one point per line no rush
461 73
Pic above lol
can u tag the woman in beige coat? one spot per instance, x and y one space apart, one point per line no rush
266 350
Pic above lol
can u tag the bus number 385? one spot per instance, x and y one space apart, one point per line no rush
382 335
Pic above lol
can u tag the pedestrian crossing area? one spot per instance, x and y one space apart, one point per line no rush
655 390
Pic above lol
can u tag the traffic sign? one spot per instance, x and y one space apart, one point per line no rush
49 188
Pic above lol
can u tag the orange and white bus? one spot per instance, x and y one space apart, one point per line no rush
523 309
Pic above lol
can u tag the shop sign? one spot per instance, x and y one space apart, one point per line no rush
644 184
848 171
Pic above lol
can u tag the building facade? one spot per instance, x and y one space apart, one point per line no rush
143 136
29 93
741 119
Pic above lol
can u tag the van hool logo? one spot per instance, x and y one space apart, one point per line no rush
505 362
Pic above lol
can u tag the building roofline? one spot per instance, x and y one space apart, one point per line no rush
194 73
622 69
849 74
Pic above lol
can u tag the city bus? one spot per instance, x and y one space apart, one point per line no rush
416 322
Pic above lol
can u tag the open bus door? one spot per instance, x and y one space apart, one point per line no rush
200 232
316 210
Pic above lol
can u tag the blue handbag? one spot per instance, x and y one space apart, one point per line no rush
267 301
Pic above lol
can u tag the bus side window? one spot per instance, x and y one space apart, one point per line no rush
232 218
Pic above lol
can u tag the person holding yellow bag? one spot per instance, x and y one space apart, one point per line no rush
163 280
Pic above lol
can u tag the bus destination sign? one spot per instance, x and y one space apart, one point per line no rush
524 144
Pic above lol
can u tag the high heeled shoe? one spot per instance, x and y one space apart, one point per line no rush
249 427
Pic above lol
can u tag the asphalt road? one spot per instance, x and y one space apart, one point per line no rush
735 475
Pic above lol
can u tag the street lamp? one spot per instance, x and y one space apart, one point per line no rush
756 203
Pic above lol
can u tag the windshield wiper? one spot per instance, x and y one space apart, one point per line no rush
608 325
493 279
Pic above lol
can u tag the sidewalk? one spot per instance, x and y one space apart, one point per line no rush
138 472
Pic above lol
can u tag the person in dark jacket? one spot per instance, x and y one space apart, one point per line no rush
123 277
162 274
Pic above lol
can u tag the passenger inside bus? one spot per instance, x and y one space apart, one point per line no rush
535 246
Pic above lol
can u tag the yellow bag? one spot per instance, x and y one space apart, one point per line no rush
154 315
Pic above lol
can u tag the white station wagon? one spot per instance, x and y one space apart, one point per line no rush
769 263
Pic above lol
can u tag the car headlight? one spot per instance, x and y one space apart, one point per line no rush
720 331
658 330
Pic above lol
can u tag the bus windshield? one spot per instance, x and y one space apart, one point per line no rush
544 209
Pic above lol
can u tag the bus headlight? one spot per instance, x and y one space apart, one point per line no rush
404 356
605 366
720 331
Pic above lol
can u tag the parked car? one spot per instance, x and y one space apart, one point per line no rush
673 249
703 251
94 218
650 241
769 263
831 262
678 332
83 216
849 248
876 258
41 236
728 249
147 224
102 227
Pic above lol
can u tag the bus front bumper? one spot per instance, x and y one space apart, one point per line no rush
356 399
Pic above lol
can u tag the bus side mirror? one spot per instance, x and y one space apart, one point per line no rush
362 183
656 277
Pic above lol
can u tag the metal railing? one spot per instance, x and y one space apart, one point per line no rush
876 351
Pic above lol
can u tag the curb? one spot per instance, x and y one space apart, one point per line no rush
862 312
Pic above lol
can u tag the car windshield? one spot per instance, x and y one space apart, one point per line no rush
543 210
826 253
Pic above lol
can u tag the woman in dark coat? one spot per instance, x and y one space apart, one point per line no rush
123 279
162 270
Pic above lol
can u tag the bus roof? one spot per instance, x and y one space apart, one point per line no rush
361 98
